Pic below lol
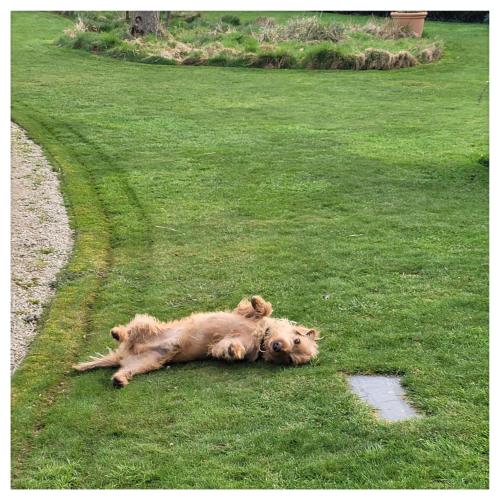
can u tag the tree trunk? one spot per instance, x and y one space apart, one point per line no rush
145 22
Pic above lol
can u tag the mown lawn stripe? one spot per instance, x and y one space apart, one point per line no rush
41 376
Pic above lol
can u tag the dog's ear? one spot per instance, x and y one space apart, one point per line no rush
308 332
119 333
312 334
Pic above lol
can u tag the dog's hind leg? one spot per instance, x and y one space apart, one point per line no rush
110 359
142 363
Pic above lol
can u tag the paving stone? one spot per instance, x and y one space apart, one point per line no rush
385 394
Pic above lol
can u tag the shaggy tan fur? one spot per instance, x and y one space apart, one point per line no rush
147 344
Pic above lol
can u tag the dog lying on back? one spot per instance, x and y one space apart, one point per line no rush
246 333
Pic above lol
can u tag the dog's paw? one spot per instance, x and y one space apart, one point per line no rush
119 381
229 351
235 351
261 307
80 367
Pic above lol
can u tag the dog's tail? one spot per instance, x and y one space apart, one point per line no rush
256 308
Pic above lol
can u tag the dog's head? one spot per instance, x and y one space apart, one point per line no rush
287 343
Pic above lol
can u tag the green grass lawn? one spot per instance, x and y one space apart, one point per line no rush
191 187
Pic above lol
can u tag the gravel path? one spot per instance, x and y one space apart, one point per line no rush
41 239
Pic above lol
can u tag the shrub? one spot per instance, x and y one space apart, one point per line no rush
231 19
84 40
464 16
109 40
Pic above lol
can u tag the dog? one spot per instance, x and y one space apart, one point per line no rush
246 333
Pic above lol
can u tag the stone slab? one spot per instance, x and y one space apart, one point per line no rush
385 394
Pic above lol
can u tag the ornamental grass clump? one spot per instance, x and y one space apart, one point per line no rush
430 54
279 59
78 27
305 29
387 30
377 59
311 29
323 57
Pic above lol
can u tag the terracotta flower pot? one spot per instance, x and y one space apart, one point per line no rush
413 20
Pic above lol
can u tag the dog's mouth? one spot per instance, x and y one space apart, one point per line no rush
278 356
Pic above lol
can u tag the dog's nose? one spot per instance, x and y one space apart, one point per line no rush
276 346
115 335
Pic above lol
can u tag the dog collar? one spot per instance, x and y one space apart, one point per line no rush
261 342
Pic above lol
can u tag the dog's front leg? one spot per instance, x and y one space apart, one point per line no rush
133 365
229 349
110 359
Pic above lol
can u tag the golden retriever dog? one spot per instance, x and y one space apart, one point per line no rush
246 333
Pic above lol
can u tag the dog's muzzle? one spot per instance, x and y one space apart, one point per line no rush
276 346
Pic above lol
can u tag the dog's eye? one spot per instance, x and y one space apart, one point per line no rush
268 331
296 341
